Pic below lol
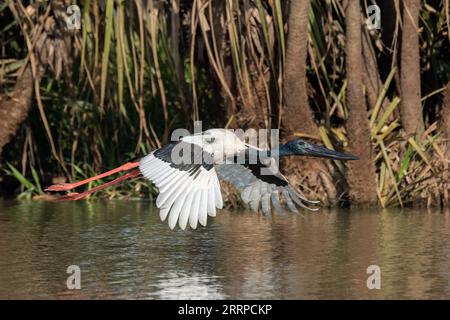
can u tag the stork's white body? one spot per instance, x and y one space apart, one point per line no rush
190 192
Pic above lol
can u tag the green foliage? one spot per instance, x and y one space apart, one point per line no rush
143 71
29 188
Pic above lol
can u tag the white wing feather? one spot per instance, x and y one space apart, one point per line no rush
184 196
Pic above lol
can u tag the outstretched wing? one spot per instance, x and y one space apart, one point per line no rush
261 189
189 189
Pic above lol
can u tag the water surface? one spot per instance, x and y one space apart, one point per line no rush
124 251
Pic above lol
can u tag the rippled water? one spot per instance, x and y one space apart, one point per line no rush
124 251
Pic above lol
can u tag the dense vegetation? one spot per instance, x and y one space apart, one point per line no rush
73 103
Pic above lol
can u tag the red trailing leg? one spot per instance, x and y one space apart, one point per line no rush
69 186
79 196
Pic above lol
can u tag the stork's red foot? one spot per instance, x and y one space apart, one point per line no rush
61 187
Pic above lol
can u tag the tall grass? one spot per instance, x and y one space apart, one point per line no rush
142 69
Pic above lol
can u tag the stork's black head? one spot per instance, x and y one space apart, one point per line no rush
300 147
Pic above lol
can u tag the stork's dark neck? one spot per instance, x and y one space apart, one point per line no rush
287 150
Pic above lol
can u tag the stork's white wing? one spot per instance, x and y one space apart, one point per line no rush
186 193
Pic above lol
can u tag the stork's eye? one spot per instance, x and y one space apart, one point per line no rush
210 139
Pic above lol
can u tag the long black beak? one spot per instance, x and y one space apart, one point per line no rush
314 150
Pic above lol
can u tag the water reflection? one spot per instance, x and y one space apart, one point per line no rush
124 251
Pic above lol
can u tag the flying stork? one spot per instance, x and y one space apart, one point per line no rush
187 174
